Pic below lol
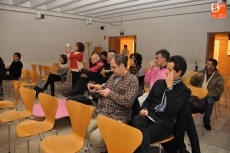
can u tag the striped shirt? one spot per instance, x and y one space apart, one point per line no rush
118 104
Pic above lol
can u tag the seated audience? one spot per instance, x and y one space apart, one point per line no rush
154 74
161 107
15 69
2 72
76 59
211 79
106 71
59 76
103 56
89 74
116 98
136 69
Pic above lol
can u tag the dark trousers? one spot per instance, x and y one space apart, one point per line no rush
151 132
75 77
7 77
207 115
81 85
51 79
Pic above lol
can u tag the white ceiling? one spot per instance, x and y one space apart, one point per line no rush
104 9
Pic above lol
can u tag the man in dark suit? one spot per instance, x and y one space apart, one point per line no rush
160 109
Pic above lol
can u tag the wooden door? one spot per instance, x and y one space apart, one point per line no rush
114 44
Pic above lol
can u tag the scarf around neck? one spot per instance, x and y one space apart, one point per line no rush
161 107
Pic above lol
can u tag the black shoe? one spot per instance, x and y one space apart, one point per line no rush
52 94
207 127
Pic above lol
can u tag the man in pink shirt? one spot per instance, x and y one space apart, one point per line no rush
159 71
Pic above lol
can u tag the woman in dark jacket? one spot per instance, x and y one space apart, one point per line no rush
2 72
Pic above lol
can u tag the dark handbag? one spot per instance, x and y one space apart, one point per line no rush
197 105
81 99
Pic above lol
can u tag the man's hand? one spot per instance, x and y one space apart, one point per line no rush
103 72
104 92
199 75
152 64
8 73
84 75
169 79
144 112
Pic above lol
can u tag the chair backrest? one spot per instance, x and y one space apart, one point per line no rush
80 116
16 90
53 69
34 76
191 73
145 69
25 75
56 64
199 92
119 137
85 64
28 96
34 67
49 105
186 80
46 69
40 69
226 79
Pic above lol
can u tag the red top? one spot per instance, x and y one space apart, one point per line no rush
74 58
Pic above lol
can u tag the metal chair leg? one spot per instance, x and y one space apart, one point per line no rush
28 144
159 148
9 135
15 143
86 149
202 128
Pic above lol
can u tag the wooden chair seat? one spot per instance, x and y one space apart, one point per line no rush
165 140
31 127
12 115
62 143
8 104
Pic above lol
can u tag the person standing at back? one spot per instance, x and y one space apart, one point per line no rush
76 59
125 52
211 79
159 72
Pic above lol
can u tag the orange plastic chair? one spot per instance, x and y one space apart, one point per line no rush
28 96
163 141
34 67
119 137
56 64
34 77
80 116
30 127
9 104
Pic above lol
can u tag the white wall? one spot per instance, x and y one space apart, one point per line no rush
184 34
42 41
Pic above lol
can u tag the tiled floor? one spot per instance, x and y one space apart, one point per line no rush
215 141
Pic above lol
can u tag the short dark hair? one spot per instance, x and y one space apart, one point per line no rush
18 55
214 62
2 64
64 57
164 53
113 51
179 64
81 46
120 58
104 53
125 46
137 58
